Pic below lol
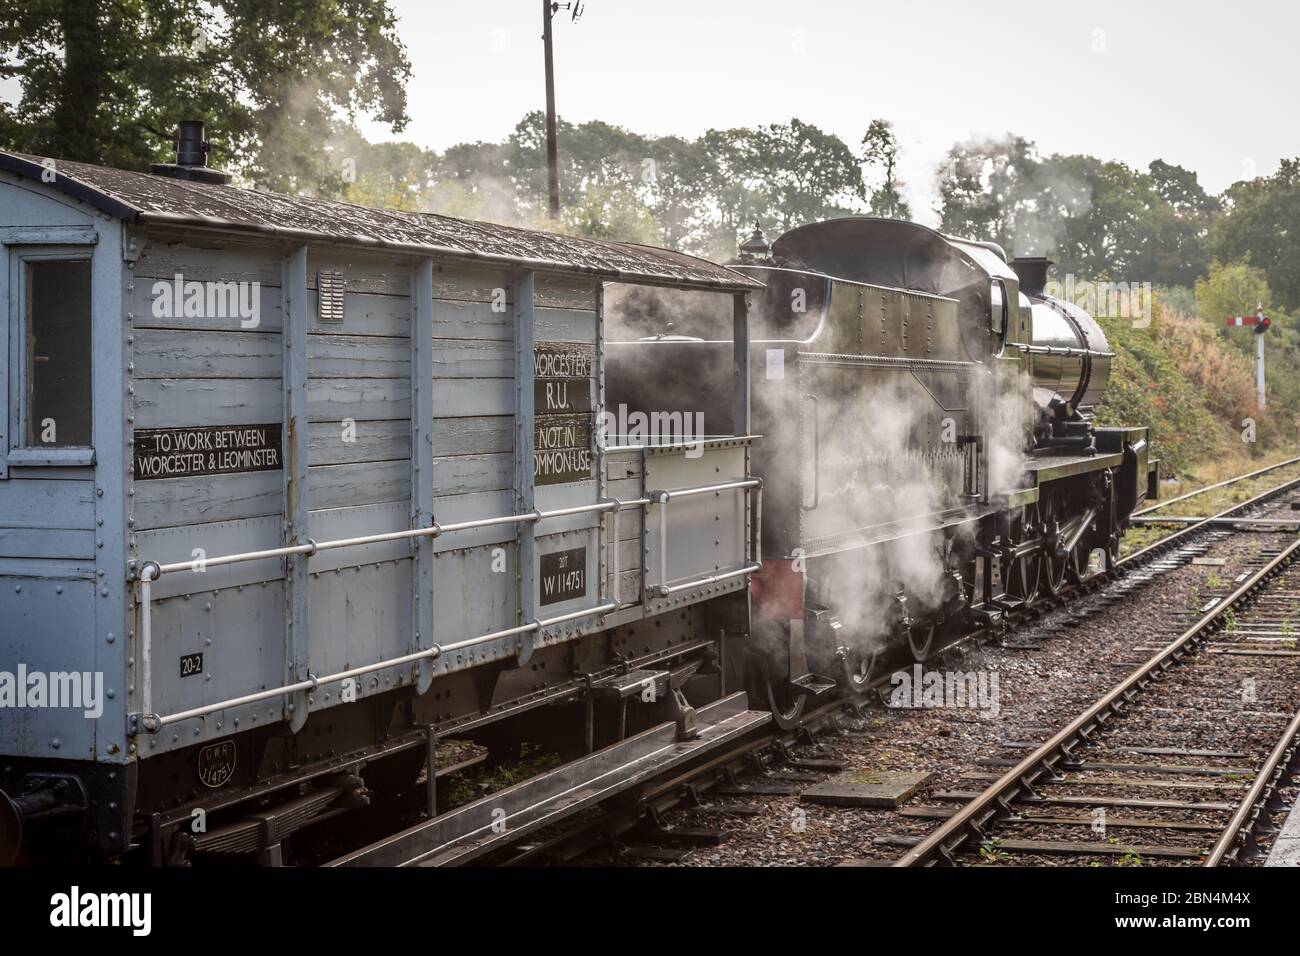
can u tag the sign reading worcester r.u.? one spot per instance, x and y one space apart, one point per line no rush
206 450
562 412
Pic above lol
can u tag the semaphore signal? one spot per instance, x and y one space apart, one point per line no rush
1260 322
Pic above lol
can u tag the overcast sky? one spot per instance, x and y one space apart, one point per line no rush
1208 85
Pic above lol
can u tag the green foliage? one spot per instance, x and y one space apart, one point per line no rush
1178 299
1238 288
106 81
694 195
1146 386
1195 387
611 212
880 151
1232 289
1097 219
1262 223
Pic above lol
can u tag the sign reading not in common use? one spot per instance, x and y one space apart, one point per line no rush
206 450
562 412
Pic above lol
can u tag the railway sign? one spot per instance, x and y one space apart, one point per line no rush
564 575
563 412
206 450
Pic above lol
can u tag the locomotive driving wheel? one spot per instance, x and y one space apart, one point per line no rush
1022 576
1070 569
1111 553
859 667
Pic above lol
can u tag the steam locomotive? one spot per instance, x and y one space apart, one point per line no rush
292 493
928 447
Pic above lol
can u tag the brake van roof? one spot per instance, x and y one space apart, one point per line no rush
150 199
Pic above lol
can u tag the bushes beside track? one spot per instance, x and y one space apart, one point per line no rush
1195 387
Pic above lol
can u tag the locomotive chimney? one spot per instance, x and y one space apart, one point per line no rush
1032 272
191 157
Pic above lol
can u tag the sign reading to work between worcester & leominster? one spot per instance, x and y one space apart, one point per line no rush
562 412
206 450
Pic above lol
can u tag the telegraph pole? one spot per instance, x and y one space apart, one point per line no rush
552 152
549 9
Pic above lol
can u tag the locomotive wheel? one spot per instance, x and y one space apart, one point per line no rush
859 668
769 678
1055 570
1077 562
920 641
1022 576
786 706
1079 559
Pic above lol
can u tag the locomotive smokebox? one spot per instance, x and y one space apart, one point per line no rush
1071 364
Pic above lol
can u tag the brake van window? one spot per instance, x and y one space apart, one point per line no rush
57 407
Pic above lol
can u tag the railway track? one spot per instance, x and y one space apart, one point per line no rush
1243 645
772 767
773 763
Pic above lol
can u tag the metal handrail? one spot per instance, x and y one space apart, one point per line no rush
661 498
152 723
1061 350
150 571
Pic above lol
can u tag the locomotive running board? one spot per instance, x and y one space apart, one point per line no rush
463 834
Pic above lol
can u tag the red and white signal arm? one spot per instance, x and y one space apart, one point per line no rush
1259 320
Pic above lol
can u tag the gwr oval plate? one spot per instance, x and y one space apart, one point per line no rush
217 763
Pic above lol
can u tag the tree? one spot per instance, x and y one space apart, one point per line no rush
674 191
611 212
803 173
980 184
1097 219
1181 189
472 181
1262 223
880 150
387 175
106 81
1235 288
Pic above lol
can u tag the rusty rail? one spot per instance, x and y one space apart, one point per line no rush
940 846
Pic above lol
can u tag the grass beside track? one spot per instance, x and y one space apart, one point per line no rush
1210 503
